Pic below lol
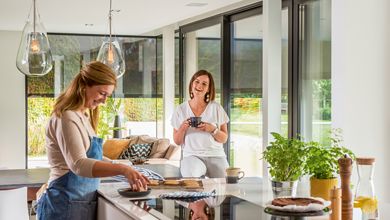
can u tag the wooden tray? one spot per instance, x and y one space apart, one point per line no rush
181 185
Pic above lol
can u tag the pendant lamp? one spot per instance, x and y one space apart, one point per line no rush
34 56
110 52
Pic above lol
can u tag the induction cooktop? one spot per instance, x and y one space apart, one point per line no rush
211 208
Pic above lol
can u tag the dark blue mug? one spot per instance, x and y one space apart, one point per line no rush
195 121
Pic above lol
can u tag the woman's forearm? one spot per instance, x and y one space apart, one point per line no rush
220 137
221 134
178 136
105 169
136 180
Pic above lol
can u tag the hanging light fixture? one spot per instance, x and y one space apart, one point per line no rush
34 56
110 52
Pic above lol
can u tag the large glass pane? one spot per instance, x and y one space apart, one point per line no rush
284 101
315 70
245 96
139 91
177 70
159 84
202 50
246 92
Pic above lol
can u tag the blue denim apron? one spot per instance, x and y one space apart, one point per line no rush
71 196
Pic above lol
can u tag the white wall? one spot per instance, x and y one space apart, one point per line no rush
12 110
360 82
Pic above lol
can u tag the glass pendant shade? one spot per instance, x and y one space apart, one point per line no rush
34 56
110 54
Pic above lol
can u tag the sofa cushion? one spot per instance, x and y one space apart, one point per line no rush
112 148
146 139
134 139
173 152
159 148
136 151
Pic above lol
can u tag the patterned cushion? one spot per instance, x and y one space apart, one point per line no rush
136 150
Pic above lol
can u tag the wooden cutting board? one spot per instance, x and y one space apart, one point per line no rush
178 184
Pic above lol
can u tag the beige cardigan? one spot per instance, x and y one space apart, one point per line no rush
67 141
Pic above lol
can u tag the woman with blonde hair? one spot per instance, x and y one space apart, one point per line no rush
74 151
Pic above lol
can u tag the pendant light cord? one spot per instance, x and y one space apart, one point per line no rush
109 18
34 16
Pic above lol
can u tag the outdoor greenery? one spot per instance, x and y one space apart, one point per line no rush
322 94
107 115
38 113
286 158
134 109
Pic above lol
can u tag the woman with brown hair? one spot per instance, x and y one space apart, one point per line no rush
74 151
203 153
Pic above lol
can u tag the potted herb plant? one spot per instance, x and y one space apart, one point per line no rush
286 158
322 165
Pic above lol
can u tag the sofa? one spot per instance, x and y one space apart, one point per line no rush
162 151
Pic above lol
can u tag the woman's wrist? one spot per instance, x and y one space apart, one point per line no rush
123 169
215 131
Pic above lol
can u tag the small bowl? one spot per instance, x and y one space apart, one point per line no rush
128 192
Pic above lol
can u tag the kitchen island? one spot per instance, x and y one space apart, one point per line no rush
245 200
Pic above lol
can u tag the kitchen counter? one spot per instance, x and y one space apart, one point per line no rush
250 189
111 205
17 178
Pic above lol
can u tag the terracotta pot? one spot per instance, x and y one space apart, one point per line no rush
321 187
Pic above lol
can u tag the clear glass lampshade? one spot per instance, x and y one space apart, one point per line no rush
34 55
110 54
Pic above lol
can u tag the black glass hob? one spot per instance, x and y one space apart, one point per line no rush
212 208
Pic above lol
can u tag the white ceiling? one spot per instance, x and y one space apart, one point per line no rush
136 17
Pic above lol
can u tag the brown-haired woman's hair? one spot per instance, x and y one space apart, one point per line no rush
211 92
92 74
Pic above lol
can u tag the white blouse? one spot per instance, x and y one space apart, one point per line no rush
200 143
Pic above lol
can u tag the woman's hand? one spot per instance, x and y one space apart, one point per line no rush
136 180
185 125
206 127
178 135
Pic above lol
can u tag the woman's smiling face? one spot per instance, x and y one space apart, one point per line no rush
200 86
96 95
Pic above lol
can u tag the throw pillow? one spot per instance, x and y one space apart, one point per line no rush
146 139
136 151
160 147
173 152
112 148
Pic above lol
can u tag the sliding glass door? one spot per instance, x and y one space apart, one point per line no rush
231 48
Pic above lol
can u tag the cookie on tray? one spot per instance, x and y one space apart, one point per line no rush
172 182
154 183
191 183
